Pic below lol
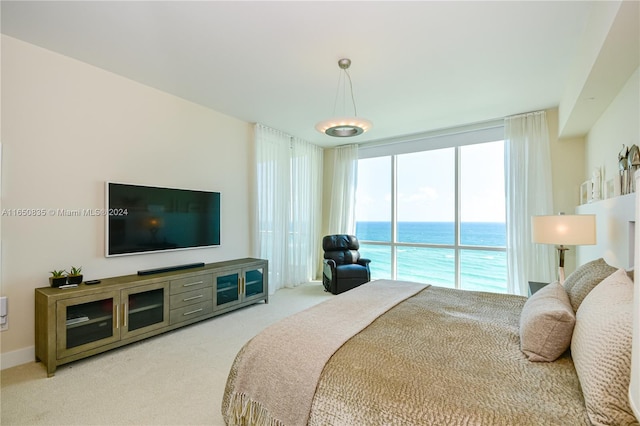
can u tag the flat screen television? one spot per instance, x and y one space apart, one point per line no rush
147 219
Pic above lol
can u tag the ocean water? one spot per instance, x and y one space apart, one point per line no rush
484 270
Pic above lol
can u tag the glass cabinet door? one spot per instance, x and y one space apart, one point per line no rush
227 290
254 283
87 322
145 308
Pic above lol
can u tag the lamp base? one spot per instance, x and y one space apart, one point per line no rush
561 250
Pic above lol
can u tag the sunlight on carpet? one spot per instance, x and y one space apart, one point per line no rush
175 378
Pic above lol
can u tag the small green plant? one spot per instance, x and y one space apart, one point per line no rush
75 271
58 278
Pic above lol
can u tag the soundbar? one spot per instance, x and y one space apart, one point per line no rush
170 268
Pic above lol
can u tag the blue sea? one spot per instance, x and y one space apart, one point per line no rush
484 270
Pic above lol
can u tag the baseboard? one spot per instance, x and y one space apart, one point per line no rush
19 357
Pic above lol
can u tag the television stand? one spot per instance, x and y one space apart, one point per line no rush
75 323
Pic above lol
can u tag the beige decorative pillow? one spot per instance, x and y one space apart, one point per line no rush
585 278
546 324
601 350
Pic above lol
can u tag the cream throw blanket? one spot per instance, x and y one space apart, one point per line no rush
283 358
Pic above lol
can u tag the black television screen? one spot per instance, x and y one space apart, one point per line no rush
144 219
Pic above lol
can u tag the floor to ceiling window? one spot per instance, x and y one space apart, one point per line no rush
435 215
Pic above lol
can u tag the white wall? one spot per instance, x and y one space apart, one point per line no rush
67 127
618 125
567 169
615 228
634 387
567 166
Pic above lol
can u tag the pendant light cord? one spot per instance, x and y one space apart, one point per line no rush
353 99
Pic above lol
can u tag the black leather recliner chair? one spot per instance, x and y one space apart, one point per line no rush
343 268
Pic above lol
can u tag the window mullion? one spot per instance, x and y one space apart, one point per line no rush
394 217
456 225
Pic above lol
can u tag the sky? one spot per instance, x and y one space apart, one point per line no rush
426 182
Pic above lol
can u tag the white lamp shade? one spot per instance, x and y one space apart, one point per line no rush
571 230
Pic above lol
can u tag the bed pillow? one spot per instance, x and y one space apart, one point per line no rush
546 324
601 350
579 283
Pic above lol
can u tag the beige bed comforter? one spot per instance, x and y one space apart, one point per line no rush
442 357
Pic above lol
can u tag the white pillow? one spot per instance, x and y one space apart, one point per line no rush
601 350
546 324
581 281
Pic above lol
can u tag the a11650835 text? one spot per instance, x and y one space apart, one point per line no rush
61 212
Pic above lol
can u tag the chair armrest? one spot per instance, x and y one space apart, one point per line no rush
329 265
364 262
329 262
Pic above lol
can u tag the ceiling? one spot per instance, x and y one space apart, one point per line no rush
416 66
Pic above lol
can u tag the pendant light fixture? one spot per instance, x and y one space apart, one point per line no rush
344 126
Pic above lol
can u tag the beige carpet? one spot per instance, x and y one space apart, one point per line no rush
173 379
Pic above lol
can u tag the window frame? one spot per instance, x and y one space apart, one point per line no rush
456 138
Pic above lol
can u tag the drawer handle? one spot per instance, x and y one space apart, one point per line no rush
191 312
195 283
192 298
116 316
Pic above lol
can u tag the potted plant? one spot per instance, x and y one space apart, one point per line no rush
57 278
75 275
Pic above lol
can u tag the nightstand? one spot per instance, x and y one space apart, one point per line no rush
535 286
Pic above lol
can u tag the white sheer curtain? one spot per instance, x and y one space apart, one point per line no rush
528 188
288 202
343 162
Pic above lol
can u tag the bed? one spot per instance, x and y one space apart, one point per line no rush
402 353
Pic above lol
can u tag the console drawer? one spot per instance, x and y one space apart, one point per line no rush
190 312
191 283
191 297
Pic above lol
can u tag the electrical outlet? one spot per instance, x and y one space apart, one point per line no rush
4 313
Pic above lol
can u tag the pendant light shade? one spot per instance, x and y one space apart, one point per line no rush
344 126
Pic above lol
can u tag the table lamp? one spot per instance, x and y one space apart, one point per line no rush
561 230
